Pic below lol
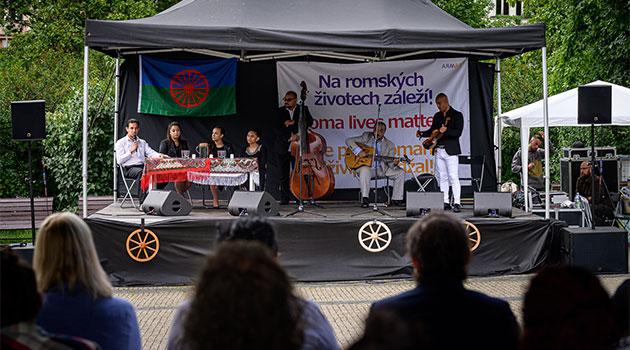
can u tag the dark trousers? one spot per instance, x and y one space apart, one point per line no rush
286 162
135 172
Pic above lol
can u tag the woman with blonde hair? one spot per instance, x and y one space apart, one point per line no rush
77 294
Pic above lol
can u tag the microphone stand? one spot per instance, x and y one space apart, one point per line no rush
375 162
303 142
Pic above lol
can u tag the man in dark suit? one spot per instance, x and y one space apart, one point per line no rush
441 311
450 123
286 129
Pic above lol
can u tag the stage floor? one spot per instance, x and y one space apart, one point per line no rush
346 242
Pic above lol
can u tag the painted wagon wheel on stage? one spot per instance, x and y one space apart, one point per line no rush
142 246
474 235
375 236
189 88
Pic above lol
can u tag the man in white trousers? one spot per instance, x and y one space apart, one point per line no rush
450 123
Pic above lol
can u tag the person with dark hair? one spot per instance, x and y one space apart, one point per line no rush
172 146
19 307
382 168
243 300
286 128
217 148
131 151
450 124
566 307
385 330
317 332
621 307
535 156
452 316
255 149
603 204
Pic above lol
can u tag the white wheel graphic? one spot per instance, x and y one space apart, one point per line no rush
474 235
375 236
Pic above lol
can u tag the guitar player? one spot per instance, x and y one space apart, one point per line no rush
449 123
388 168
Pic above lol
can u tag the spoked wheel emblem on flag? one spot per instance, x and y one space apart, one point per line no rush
189 88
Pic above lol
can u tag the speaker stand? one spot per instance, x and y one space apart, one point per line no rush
593 176
30 189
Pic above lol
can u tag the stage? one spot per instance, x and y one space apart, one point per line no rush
336 247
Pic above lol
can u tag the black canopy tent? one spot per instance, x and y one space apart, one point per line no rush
355 30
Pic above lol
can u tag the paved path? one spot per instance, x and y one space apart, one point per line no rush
344 304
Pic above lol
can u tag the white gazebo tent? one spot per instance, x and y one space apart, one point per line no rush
562 109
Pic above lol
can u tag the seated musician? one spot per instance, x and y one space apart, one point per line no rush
219 149
379 168
131 151
255 149
172 146
603 206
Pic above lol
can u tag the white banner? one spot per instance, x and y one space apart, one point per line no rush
346 100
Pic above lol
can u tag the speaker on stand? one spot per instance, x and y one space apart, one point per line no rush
594 107
28 122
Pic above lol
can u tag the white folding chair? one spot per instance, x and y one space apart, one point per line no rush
128 182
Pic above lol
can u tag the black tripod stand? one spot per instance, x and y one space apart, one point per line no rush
303 146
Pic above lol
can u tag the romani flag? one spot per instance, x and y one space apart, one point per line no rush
199 88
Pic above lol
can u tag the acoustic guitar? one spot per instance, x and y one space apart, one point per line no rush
354 162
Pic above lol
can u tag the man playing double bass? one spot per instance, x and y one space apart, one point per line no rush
388 168
286 126
450 124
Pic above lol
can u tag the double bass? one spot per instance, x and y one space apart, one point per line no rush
311 178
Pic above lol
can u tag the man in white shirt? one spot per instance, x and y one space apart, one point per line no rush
387 166
131 152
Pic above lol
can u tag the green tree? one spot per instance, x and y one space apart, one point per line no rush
471 12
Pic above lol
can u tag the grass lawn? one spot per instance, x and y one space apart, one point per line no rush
15 236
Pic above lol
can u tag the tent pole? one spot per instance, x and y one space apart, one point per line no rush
525 162
116 114
499 126
86 62
546 120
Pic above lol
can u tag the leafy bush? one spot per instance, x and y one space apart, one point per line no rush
64 145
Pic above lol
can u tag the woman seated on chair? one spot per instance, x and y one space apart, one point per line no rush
218 149
255 149
173 145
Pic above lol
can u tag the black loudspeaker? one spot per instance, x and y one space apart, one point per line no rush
602 250
252 203
28 119
595 104
420 203
493 204
166 203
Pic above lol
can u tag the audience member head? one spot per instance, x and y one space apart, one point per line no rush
253 137
386 330
173 131
439 248
251 228
65 257
20 300
621 306
243 300
566 307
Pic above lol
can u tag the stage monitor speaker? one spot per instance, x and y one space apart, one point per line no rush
252 203
28 119
493 204
595 104
420 203
603 250
166 203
